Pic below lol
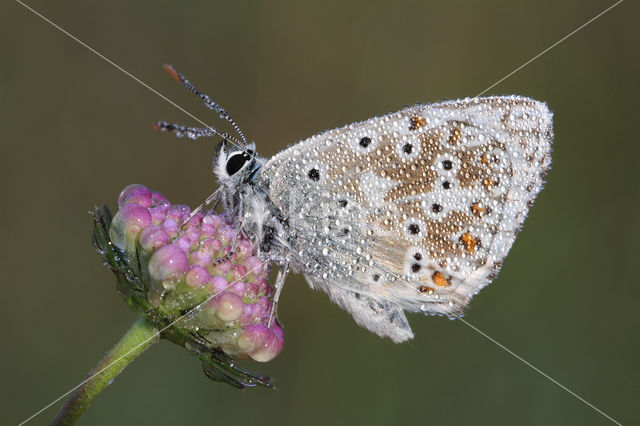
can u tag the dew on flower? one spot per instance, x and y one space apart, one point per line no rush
189 280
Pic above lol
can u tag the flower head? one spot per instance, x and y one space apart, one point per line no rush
196 278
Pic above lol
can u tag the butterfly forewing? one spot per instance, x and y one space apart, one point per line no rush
413 210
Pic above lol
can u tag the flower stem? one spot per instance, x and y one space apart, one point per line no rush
136 340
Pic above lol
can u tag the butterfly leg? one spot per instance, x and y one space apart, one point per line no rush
210 199
239 225
281 277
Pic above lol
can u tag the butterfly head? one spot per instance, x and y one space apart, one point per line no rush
234 165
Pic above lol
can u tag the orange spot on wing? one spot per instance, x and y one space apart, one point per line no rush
470 242
440 280
417 122
454 137
488 183
477 210
425 289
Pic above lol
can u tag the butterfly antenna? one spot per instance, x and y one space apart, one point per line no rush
193 132
209 103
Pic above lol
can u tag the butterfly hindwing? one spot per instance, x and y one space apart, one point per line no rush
382 317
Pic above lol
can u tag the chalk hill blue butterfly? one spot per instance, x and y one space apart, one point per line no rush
411 211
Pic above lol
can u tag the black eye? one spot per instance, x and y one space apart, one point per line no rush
235 162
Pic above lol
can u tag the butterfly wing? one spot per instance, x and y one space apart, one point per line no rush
381 316
414 210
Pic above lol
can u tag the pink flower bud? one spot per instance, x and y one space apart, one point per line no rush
159 212
158 198
194 222
238 288
201 257
221 268
178 212
212 245
244 248
261 343
184 244
168 263
238 272
217 284
229 306
193 234
153 237
214 220
207 230
226 235
127 224
197 276
135 193
255 265
171 227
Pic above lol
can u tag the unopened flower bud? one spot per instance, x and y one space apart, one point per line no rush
202 278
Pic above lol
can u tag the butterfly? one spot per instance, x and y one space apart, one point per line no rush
411 211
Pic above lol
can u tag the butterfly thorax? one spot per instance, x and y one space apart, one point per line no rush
260 221
245 197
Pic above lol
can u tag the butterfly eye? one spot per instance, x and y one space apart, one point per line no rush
236 161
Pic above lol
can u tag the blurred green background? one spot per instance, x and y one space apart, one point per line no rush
75 131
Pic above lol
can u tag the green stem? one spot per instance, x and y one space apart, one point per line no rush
137 339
